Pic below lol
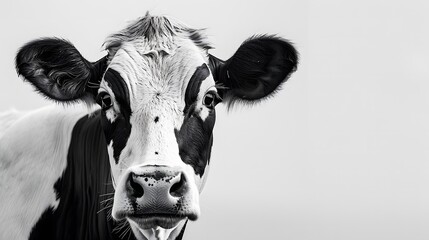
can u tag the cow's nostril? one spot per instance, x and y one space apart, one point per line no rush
134 188
179 188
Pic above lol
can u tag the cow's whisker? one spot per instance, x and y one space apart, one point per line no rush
110 206
106 194
124 233
129 235
109 214
106 200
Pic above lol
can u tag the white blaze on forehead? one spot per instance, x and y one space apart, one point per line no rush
156 73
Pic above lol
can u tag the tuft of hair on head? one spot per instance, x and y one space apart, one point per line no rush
156 31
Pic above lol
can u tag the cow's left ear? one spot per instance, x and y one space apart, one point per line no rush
260 65
57 69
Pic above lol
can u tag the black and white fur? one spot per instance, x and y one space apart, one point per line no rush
157 88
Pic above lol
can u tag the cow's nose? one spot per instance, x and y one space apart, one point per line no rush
152 193
156 183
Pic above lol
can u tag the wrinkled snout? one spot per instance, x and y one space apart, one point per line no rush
155 196
156 188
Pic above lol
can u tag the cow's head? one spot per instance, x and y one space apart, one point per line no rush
158 88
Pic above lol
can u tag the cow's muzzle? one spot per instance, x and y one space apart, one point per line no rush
155 196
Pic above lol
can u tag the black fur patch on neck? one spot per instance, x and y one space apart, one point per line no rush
119 131
193 88
81 189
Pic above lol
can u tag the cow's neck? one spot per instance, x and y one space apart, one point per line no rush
85 192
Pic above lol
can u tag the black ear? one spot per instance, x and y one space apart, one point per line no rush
57 69
260 65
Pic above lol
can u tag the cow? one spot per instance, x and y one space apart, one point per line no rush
126 153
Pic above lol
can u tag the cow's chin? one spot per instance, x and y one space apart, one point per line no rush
156 227
154 221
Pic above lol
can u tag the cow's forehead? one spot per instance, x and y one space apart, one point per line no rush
158 82
157 55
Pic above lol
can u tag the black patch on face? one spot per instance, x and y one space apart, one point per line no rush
195 139
195 136
119 88
193 88
85 183
156 119
119 131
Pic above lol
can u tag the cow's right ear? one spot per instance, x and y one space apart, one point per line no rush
57 69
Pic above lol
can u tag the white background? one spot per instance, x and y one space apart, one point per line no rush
340 153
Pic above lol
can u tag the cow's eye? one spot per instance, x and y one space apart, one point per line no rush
104 100
211 99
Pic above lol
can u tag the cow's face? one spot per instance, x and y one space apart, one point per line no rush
157 89
158 113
